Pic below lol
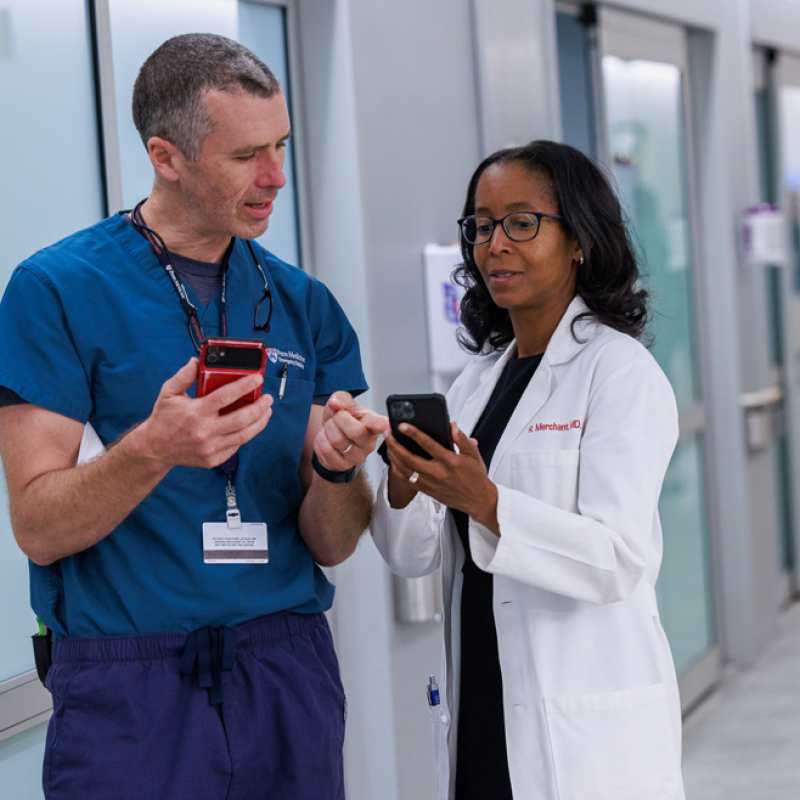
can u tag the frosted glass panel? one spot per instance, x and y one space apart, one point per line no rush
137 29
262 29
646 137
789 120
767 156
50 188
50 184
684 588
645 132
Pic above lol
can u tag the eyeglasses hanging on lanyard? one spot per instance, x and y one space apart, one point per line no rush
165 259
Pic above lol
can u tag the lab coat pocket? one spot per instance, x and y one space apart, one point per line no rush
613 745
548 475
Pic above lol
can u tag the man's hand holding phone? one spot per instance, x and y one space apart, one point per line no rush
225 360
189 432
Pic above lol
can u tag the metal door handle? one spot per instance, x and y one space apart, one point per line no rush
762 416
762 398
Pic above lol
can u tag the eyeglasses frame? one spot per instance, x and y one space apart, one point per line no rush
502 222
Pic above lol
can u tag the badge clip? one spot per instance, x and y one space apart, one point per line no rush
232 511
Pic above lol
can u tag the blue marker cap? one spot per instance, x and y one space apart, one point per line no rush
433 691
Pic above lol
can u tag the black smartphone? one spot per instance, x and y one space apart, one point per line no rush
428 412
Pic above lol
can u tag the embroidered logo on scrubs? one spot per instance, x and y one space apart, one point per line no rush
555 426
289 357
272 354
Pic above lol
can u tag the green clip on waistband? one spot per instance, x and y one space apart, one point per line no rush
42 650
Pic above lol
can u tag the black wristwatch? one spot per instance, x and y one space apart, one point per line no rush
331 475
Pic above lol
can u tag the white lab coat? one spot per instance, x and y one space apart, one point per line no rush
590 696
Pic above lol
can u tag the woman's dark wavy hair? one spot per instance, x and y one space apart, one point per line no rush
607 280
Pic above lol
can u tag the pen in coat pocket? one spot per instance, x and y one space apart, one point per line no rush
433 691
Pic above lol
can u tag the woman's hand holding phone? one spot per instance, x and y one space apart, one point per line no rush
458 480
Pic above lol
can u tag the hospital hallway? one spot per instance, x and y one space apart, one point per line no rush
743 741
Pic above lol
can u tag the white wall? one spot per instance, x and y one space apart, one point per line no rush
391 125
776 23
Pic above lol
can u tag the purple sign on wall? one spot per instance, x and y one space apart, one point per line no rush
451 309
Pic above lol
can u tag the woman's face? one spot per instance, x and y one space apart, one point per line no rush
533 276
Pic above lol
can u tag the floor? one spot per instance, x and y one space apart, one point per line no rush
743 742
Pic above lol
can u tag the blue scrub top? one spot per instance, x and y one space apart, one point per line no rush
91 328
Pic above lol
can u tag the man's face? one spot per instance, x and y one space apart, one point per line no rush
230 189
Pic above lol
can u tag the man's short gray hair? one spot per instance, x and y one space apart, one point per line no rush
168 94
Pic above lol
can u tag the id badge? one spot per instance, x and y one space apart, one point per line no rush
223 544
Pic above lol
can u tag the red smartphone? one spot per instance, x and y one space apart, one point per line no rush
224 360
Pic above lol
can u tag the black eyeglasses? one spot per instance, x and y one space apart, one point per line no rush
521 226
267 295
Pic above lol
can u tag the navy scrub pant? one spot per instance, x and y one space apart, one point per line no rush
223 714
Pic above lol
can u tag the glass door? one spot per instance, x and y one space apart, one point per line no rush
35 100
575 35
781 140
643 68
50 187
777 285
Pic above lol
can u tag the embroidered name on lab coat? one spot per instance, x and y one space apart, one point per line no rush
555 426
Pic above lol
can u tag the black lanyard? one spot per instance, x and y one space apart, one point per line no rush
165 259
230 467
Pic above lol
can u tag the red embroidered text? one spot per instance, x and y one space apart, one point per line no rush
555 426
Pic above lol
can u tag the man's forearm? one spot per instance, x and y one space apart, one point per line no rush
66 511
58 509
333 516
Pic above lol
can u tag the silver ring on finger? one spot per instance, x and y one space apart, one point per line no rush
347 449
414 477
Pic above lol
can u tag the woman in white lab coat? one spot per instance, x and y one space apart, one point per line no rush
557 680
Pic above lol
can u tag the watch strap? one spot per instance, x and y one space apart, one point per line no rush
332 476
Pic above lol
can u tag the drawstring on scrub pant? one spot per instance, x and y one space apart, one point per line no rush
214 652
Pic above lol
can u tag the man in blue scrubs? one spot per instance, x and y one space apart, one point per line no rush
181 670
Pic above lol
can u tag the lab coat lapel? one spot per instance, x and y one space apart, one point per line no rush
562 348
476 402
532 400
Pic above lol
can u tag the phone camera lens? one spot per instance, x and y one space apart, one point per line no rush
403 409
211 358
213 349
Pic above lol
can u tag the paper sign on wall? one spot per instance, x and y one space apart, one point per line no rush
764 236
443 302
